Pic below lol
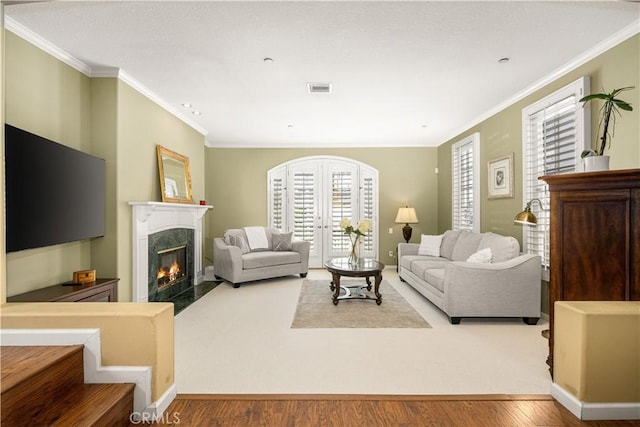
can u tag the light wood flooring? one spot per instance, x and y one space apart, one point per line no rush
373 410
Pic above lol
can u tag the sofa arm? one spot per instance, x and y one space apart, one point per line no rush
511 288
407 249
227 260
303 249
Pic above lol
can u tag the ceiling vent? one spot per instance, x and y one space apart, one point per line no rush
319 87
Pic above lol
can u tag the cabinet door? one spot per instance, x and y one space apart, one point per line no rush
593 237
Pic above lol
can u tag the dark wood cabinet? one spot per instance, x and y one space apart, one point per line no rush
101 290
594 238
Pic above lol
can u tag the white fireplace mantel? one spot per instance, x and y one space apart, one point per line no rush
152 217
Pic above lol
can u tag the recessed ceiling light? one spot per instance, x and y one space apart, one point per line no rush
424 126
289 126
186 105
268 60
503 60
196 113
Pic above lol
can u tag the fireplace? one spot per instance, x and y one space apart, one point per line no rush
157 227
170 254
172 266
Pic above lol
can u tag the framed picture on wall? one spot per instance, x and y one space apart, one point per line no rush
501 177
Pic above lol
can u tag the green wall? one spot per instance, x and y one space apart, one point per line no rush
51 99
501 134
107 118
237 187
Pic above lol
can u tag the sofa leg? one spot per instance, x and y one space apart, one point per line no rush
303 275
455 320
217 277
236 285
402 280
530 320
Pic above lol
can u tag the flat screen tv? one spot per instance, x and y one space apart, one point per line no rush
54 194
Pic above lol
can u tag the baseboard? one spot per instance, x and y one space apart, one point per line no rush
589 411
94 372
155 411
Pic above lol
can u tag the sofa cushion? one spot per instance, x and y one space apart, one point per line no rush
435 277
483 256
235 237
268 259
419 267
281 241
503 248
430 245
449 239
466 245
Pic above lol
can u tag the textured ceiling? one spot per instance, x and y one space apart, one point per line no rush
394 66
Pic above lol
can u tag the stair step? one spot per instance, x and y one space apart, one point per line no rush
44 385
93 405
22 363
33 376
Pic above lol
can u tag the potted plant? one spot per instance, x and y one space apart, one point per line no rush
595 160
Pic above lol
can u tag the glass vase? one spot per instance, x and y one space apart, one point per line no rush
353 256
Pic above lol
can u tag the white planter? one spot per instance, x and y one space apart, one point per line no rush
596 163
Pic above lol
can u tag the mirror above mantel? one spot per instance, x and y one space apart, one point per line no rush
175 177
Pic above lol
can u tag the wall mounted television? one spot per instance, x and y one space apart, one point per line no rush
53 193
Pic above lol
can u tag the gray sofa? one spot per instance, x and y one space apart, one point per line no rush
508 286
235 262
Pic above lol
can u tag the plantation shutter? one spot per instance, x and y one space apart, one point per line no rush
342 192
277 198
303 197
465 186
553 131
367 211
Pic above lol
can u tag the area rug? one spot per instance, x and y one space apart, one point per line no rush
316 310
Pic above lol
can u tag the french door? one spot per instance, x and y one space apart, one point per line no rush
311 195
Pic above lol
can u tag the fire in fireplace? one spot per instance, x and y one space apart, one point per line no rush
172 266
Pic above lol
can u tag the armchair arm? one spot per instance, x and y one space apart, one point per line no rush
227 260
509 288
302 248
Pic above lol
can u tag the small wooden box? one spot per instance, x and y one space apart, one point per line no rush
84 276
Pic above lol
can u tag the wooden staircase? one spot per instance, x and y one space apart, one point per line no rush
44 386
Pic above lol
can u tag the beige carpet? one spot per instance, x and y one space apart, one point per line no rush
316 310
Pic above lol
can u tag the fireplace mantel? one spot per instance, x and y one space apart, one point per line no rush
151 217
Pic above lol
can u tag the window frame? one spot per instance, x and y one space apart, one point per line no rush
578 89
473 141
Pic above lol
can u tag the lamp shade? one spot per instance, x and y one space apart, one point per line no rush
406 215
526 217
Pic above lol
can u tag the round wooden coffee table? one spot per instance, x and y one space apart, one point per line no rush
365 267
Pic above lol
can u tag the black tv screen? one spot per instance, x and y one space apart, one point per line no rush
54 194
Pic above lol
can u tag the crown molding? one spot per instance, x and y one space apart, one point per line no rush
38 41
608 43
95 72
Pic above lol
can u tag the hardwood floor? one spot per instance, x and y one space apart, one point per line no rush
372 410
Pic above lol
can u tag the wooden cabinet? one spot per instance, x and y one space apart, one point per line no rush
102 290
594 238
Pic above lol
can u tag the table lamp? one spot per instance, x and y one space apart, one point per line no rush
407 216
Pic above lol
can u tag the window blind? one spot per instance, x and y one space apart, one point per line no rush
553 131
304 188
341 207
464 184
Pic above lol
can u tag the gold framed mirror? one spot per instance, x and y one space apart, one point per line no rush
175 177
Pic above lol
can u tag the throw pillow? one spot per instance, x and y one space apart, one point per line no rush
430 245
281 241
240 242
483 255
